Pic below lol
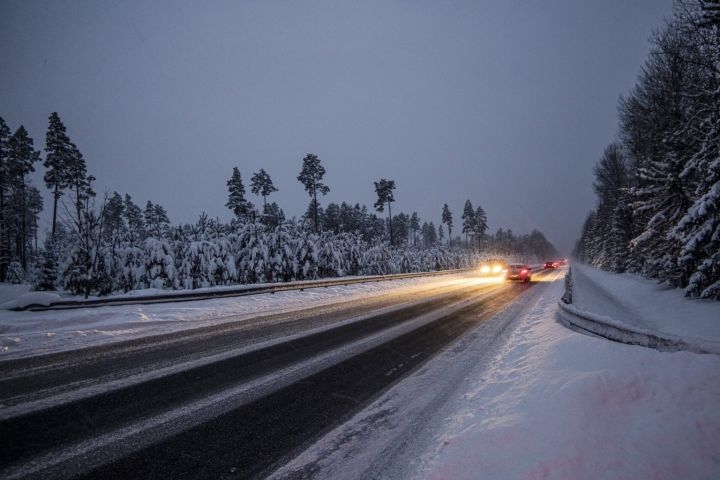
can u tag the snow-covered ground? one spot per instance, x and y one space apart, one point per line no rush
10 292
538 402
28 333
642 303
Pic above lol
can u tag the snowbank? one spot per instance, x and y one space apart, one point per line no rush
631 308
561 405
11 291
31 298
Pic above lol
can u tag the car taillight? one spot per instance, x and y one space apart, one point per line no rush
523 271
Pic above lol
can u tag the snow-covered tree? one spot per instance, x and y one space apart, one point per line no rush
156 219
480 225
135 221
468 218
241 208
57 161
4 198
21 157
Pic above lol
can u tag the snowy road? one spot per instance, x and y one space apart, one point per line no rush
232 400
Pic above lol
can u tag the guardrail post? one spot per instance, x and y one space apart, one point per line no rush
567 295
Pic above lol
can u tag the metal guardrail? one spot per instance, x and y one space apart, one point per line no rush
618 331
187 296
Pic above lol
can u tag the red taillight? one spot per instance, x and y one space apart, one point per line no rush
523 271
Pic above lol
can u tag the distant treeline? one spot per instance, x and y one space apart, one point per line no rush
658 185
100 246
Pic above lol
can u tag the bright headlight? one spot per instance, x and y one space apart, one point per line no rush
485 269
497 268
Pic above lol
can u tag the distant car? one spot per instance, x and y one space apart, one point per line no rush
550 265
518 271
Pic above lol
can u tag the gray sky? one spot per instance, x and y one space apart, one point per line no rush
507 103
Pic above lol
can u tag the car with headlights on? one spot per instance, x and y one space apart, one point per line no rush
518 271
492 268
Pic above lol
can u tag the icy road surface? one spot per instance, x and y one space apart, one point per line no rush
234 398
537 402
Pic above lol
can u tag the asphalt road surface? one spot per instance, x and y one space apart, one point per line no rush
235 400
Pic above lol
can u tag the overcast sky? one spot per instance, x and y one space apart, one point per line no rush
507 103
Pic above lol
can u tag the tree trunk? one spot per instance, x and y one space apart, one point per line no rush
392 238
4 241
23 224
315 207
55 200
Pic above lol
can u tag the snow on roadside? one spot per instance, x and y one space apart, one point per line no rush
538 402
11 291
561 405
29 333
642 303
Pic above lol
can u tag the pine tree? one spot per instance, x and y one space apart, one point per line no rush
655 122
401 224
21 158
414 226
48 274
312 213
80 183
611 187
384 190
311 177
447 220
274 215
261 184
113 223
331 219
57 161
468 218
156 220
135 221
236 197
4 191
480 225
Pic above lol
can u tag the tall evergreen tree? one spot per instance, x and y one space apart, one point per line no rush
414 226
311 176
468 218
57 161
135 221
384 190
611 185
4 190
80 183
236 196
261 184
21 158
113 223
48 274
447 220
480 225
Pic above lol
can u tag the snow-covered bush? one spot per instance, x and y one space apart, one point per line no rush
15 273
